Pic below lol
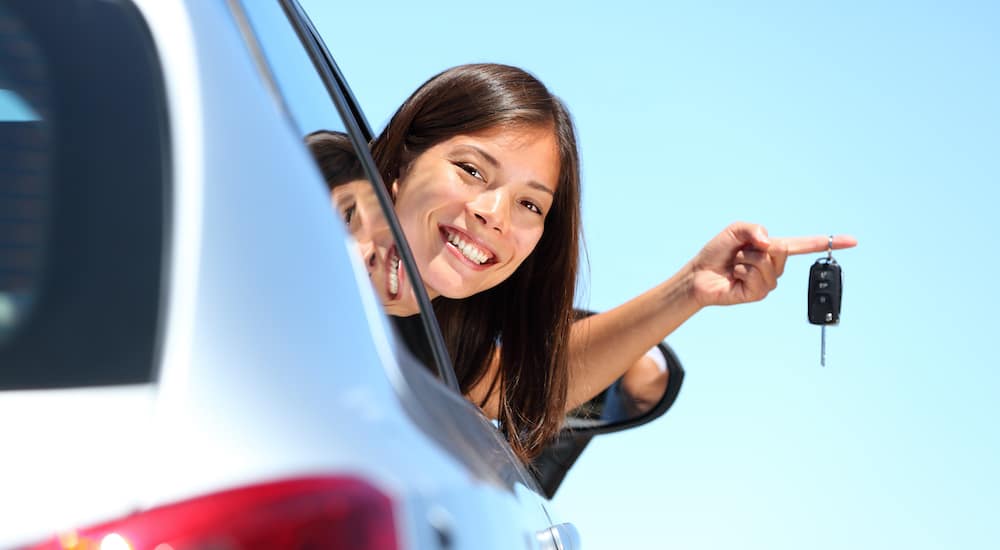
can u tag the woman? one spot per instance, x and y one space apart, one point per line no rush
354 200
482 164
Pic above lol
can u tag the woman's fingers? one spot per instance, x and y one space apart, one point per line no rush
779 254
757 272
759 264
818 243
749 233
747 263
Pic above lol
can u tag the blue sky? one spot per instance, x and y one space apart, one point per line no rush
878 119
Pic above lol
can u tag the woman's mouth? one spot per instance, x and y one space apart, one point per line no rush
392 278
467 249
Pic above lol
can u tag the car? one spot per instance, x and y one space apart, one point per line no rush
191 352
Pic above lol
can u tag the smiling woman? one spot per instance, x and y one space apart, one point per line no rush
482 160
481 163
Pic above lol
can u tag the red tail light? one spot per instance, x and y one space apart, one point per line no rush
308 513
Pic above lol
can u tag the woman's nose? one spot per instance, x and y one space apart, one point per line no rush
492 209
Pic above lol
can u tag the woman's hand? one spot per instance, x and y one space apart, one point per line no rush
742 264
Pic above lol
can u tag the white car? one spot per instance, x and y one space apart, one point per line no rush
191 354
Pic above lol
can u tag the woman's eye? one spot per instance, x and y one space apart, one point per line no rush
532 206
349 213
471 170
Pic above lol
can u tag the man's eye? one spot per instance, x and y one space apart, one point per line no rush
471 170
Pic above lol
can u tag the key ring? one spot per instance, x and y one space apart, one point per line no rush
829 249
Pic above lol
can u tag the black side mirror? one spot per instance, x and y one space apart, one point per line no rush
633 400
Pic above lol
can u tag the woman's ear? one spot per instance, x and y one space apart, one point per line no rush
394 189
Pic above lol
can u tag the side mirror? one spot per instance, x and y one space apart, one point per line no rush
643 394
633 400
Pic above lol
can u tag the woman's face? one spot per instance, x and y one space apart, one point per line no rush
473 207
358 206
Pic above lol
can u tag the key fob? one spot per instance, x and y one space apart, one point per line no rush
825 288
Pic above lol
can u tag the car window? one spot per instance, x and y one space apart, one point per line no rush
346 168
83 172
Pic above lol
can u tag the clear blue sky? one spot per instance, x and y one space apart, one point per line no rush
878 119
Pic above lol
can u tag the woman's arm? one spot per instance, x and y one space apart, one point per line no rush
605 345
741 264
644 384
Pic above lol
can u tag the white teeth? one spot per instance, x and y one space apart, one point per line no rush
468 250
394 276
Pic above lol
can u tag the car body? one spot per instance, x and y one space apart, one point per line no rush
188 342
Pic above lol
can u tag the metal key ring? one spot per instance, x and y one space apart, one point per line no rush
829 249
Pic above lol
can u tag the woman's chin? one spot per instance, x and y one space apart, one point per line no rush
459 292
445 280
402 309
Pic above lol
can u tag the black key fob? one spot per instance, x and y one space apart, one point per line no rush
825 288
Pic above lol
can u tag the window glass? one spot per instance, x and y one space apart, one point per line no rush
352 195
25 148
82 178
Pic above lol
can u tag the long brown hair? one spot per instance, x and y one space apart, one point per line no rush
528 316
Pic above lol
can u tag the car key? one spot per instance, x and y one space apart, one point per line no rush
825 291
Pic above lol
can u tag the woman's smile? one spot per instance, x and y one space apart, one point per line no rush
393 274
466 247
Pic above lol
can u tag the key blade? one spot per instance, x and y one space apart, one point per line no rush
822 346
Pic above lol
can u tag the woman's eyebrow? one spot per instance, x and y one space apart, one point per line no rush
541 187
345 199
486 156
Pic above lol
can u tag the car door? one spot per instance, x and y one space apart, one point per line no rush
305 79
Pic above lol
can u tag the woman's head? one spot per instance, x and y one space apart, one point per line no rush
482 162
354 199
341 170
474 206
